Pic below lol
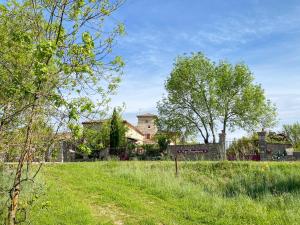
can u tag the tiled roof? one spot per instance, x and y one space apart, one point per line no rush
93 121
133 127
124 121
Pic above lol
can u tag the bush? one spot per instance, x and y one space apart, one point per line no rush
152 150
243 147
293 134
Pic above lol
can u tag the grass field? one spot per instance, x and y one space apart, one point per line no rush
149 193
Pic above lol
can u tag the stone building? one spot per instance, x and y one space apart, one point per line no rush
132 134
143 133
146 124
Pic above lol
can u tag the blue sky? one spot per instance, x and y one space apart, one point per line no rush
263 34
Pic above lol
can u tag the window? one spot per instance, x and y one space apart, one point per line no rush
148 126
148 136
146 121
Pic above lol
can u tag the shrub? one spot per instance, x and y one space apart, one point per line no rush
243 147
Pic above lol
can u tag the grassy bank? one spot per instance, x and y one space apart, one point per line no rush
150 193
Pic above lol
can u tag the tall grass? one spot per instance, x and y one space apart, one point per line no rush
30 192
150 193
226 179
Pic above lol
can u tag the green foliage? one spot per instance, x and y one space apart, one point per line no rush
51 63
84 148
203 96
47 62
50 59
76 130
242 147
240 102
12 142
293 134
152 152
117 130
163 140
249 145
117 137
97 137
106 133
277 138
189 106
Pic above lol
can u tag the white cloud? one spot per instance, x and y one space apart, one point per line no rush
150 51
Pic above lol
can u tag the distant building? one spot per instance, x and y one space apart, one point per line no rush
146 124
143 133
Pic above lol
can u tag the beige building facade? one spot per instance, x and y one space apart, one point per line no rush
143 133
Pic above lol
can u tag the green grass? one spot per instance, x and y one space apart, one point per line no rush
150 193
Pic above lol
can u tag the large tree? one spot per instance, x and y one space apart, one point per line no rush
191 98
54 55
203 97
239 101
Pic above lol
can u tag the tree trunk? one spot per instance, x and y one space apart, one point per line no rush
14 195
16 188
213 132
224 139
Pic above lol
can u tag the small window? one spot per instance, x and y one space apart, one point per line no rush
148 136
146 121
148 126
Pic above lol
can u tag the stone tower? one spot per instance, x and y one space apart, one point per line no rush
146 124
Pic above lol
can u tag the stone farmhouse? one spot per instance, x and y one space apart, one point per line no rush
142 133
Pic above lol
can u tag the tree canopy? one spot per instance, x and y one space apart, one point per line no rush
54 56
204 97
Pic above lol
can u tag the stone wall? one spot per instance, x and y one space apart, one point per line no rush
296 156
195 152
213 151
269 151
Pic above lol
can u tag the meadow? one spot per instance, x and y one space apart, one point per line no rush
137 192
